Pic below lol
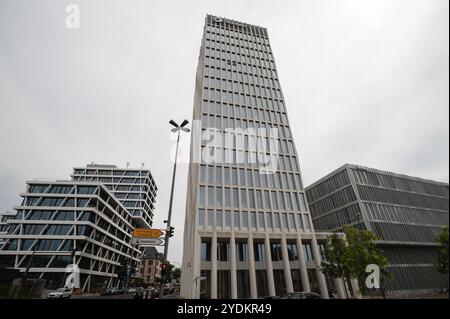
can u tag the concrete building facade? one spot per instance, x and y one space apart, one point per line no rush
406 212
69 222
248 232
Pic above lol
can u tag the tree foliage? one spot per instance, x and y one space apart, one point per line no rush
348 258
442 239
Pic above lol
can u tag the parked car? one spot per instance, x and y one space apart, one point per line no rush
60 293
131 290
106 292
301 295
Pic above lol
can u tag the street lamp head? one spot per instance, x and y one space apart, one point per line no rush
175 129
173 123
185 129
185 122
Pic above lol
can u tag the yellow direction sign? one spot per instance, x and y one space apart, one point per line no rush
147 233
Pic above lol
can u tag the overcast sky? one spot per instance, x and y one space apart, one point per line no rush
365 82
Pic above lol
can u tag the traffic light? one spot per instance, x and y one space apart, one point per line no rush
163 270
170 232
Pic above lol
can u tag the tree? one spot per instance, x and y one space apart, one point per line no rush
334 264
442 239
348 258
176 274
362 251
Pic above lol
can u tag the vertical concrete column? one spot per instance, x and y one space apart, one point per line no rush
320 275
196 268
355 288
214 266
302 262
252 271
270 280
286 265
339 288
233 274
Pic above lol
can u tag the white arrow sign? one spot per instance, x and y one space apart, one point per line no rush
148 241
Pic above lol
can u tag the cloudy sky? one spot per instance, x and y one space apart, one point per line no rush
365 82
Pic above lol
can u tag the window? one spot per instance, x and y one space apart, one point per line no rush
219 222
251 198
202 197
210 196
210 217
222 250
253 220
243 198
261 222
227 198
205 250
201 217
259 252
228 218
235 198
219 196
245 219
241 252
236 220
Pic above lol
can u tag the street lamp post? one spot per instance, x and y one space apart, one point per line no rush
177 129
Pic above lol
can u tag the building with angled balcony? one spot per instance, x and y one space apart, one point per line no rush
248 231
406 212
69 222
134 188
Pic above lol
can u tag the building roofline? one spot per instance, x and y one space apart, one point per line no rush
356 166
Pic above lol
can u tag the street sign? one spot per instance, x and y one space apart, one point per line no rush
148 241
147 233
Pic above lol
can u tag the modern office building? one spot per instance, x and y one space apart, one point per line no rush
4 225
248 231
134 188
69 222
406 212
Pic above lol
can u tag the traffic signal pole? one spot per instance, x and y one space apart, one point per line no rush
168 231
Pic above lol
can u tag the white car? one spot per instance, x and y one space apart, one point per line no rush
60 293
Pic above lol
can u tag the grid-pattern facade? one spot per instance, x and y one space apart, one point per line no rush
134 188
66 222
407 213
248 232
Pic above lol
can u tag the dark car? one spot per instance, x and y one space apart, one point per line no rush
301 295
106 292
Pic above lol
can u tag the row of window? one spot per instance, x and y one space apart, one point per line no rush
115 180
265 99
234 75
267 59
403 198
223 251
248 40
238 48
402 214
109 172
328 186
371 178
250 66
260 199
242 31
337 219
260 220
216 175
254 114
61 189
406 233
262 139
332 202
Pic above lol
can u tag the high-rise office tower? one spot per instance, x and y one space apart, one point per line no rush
248 232
406 212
